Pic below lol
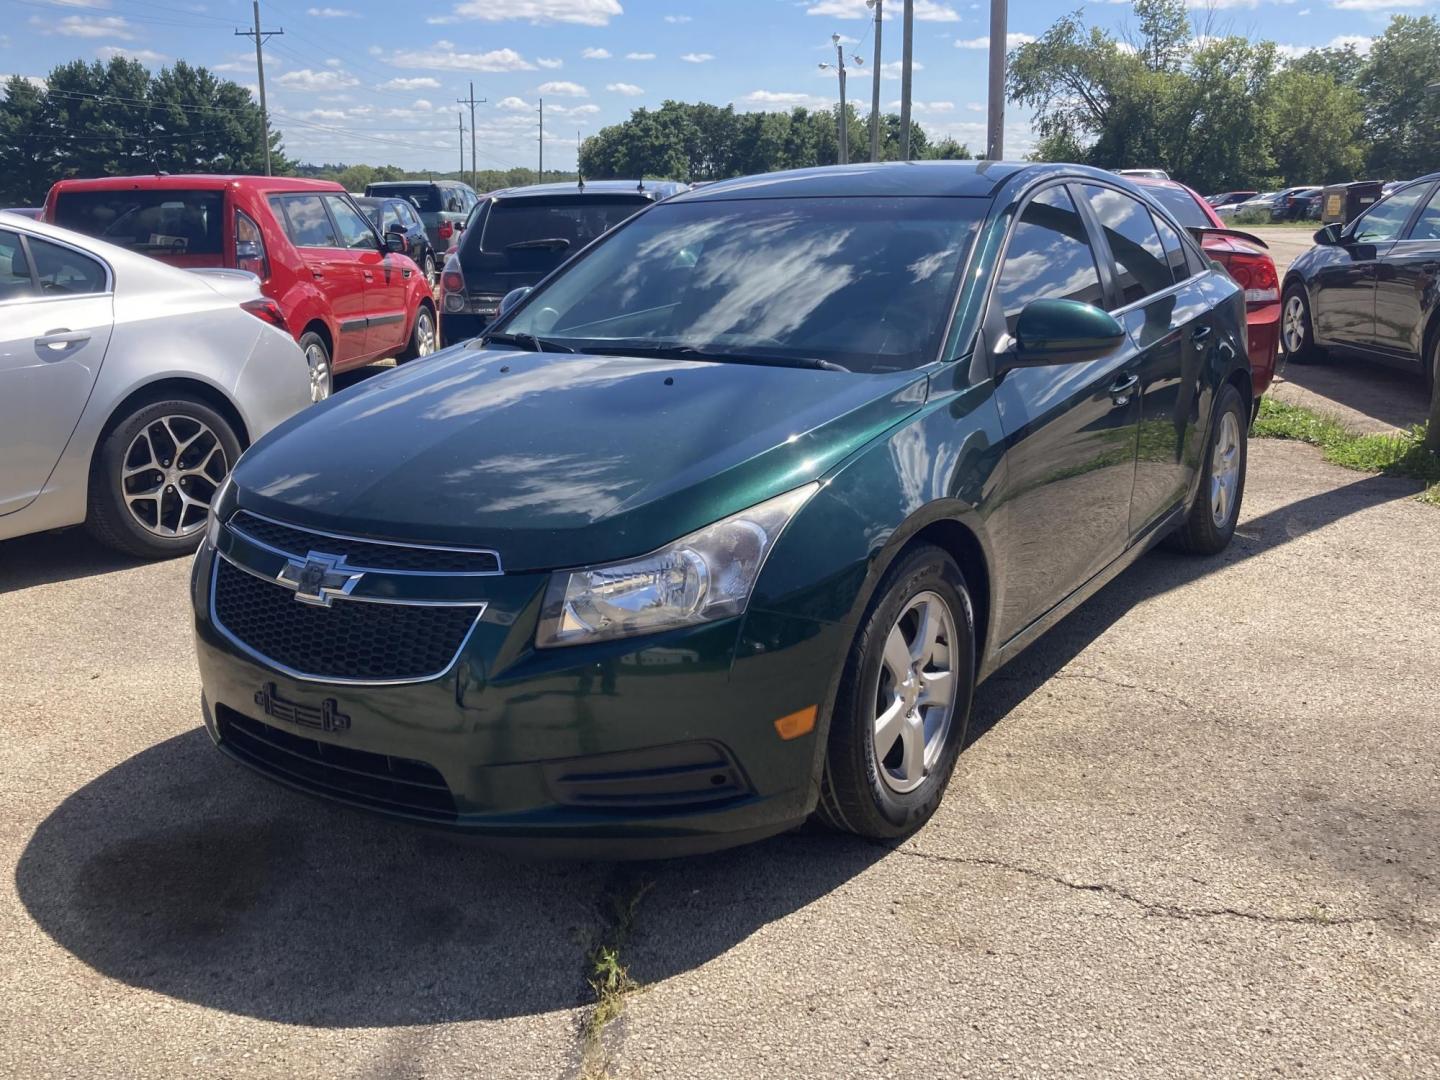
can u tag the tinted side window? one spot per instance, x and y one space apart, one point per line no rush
15 282
1049 257
1384 220
305 220
63 272
355 231
1174 250
1427 225
1129 230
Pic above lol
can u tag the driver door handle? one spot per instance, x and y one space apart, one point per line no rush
1122 388
61 340
1199 336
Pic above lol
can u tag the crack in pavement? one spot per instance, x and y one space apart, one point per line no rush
1127 686
1172 911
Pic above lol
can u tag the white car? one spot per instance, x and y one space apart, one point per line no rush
128 388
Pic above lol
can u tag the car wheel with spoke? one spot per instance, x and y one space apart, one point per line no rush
429 270
1297 331
904 701
422 336
155 475
317 358
1210 523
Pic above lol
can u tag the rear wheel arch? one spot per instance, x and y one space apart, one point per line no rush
319 326
161 389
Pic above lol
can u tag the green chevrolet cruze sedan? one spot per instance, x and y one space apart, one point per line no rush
721 526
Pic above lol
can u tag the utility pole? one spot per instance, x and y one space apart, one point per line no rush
460 117
261 36
844 117
907 49
878 5
995 136
540 176
472 101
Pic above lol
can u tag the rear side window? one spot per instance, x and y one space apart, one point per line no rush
305 220
424 197
1427 225
15 281
1181 205
1174 250
1049 258
153 222
355 231
1385 219
1130 231
65 272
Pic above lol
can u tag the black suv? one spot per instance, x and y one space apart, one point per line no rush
443 205
518 235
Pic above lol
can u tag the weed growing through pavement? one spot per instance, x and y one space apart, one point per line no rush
606 973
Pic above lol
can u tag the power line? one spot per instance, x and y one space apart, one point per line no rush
473 103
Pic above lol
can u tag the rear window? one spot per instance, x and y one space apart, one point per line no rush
562 223
1182 206
154 222
424 197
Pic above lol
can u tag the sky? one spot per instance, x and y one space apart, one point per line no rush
376 82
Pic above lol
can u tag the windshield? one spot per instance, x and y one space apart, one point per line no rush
1182 206
424 197
865 283
177 222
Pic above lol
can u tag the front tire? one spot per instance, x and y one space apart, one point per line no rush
1211 521
155 474
1297 330
422 336
904 701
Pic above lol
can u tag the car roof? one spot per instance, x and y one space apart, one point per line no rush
196 182
651 189
415 183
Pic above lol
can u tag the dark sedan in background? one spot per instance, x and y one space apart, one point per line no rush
443 205
518 235
1372 287
722 524
396 217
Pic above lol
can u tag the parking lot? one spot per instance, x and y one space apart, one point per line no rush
1193 834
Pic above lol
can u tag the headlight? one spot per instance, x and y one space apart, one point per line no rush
223 492
702 577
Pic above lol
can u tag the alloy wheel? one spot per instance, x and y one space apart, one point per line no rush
319 364
1293 324
171 471
915 695
424 333
1225 470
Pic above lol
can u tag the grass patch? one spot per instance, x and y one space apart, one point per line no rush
1402 454
607 975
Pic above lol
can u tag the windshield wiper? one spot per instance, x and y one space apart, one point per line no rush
552 242
691 352
527 341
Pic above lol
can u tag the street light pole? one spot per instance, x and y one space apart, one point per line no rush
844 126
995 136
878 5
907 39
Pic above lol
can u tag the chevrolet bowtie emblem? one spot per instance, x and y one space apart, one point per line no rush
319 579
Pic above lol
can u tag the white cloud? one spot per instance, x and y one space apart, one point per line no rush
892 70
34 80
1358 42
145 56
628 89
334 63
442 55
595 54
420 82
585 110
87 26
584 12
697 57
564 89
550 63
422 105
1011 41
640 56
785 99
1375 5
925 10
332 13
310 80
677 19
513 104
975 106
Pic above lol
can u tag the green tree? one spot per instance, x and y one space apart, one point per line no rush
1319 124
1402 121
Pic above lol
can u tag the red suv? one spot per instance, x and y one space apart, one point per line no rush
347 296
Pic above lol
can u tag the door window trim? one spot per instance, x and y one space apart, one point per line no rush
1098 230
325 197
108 290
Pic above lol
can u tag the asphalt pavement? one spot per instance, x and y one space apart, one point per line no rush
1193 836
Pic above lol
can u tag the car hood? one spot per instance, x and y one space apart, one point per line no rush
561 459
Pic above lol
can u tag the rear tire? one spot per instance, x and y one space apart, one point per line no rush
429 270
423 336
322 371
887 791
160 509
1210 523
1297 330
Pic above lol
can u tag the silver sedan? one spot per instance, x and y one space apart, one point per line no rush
128 388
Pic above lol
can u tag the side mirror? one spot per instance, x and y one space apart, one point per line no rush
1330 234
397 242
1061 332
511 298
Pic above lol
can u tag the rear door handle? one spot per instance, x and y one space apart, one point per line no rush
1121 389
317 274
60 340
1199 335
368 276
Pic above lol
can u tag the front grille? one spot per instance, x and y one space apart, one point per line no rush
380 781
349 640
365 554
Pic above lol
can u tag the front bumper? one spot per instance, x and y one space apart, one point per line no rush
663 745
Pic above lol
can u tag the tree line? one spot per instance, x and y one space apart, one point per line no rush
1221 112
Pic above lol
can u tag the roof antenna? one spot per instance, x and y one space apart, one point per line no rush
641 186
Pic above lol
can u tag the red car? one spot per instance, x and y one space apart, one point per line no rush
1246 259
347 295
